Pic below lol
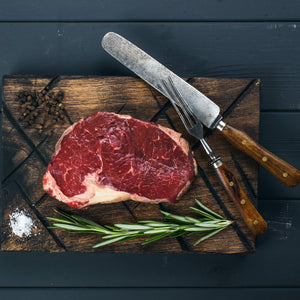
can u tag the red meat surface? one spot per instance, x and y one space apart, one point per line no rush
108 157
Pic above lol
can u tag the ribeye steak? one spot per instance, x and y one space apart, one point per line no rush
108 157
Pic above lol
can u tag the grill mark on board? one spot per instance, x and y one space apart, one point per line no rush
248 185
51 85
24 135
41 200
165 107
23 162
129 210
246 91
121 108
67 116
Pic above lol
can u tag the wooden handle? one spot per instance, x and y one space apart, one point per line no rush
283 171
250 215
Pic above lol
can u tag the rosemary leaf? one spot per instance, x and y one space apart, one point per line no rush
132 226
153 224
110 236
86 221
70 227
59 220
177 233
154 231
208 210
209 225
112 228
131 237
174 217
66 215
193 220
205 237
155 238
110 241
202 213
198 229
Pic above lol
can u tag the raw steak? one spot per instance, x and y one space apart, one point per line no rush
108 157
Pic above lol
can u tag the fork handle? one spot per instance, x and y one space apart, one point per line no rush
249 213
282 170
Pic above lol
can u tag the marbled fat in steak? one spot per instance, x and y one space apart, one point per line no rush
108 157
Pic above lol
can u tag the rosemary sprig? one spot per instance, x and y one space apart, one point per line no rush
210 223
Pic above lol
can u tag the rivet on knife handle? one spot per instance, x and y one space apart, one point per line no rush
283 171
249 213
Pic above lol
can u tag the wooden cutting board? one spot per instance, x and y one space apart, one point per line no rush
26 153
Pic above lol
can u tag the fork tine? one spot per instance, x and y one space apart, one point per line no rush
181 99
173 96
169 92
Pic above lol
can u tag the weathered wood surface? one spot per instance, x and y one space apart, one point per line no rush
189 49
27 152
155 10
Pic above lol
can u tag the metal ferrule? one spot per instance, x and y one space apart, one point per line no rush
221 125
216 122
217 163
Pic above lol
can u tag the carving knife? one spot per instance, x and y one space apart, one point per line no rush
154 73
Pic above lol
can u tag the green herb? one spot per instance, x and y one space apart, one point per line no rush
209 224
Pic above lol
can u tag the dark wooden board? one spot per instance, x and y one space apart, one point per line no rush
142 10
27 153
151 293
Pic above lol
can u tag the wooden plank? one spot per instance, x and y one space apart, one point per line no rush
206 49
155 10
86 95
150 293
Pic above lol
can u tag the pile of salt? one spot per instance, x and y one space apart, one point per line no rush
21 224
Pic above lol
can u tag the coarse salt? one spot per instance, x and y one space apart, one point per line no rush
21 224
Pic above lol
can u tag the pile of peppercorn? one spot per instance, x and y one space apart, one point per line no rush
41 109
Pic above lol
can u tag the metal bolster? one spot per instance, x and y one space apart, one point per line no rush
217 163
221 125
216 122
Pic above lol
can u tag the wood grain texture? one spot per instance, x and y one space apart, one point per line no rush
282 170
151 293
203 49
249 213
85 95
155 10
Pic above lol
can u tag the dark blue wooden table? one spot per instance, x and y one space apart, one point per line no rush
213 38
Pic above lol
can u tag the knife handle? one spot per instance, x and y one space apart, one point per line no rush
249 213
282 170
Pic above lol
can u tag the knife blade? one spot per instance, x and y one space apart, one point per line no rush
154 73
